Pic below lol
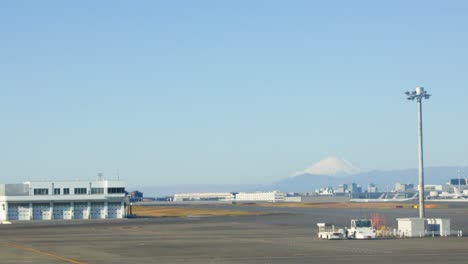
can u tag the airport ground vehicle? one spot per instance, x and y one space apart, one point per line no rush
360 229
328 231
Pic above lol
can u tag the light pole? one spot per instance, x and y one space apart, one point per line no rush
459 180
420 94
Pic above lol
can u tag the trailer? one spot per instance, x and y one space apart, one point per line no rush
328 231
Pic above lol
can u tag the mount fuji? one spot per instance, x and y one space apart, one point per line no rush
333 171
331 166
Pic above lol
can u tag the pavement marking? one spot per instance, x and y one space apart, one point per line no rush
51 255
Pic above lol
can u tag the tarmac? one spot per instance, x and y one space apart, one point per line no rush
289 235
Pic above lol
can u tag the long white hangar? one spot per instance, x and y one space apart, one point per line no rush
62 200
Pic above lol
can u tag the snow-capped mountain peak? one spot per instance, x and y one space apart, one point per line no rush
331 166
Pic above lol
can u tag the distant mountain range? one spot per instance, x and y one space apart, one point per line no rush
385 180
332 171
328 172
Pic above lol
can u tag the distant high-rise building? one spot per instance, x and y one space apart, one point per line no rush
372 188
400 187
342 188
403 187
457 181
355 188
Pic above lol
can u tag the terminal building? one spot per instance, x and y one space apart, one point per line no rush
183 197
273 196
62 200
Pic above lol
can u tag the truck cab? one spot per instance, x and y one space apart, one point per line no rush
361 229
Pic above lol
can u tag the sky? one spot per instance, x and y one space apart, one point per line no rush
227 92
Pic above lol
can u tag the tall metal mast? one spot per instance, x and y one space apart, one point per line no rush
420 94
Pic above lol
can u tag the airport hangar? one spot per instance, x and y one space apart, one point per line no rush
62 200
273 196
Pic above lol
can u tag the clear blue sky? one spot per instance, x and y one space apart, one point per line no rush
171 92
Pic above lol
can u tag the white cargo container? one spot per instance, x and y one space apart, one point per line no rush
438 226
411 227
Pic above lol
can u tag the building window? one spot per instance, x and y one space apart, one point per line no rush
66 190
80 190
57 191
115 190
41 191
97 190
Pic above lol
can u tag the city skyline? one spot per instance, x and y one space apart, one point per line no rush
241 92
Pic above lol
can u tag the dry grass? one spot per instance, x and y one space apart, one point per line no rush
163 211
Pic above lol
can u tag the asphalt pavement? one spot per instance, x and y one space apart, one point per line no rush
287 236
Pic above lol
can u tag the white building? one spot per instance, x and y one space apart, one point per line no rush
62 200
238 197
400 187
327 191
372 188
342 188
202 197
260 197
432 187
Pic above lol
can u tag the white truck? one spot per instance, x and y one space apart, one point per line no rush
360 229
328 231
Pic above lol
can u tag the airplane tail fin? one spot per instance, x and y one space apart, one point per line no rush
457 192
